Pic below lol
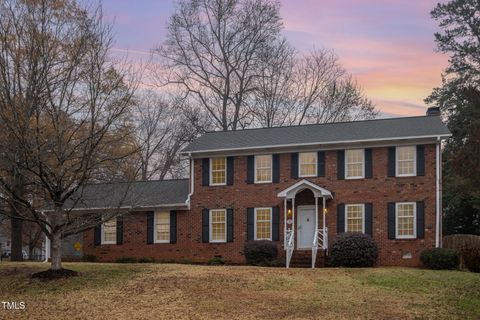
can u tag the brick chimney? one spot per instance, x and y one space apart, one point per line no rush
433 111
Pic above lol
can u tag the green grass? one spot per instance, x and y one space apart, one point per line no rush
118 291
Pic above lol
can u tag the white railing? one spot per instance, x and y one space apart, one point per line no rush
320 239
289 245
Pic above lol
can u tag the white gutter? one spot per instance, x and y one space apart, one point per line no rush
192 179
438 196
314 144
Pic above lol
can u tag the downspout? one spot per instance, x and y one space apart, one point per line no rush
47 243
438 243
192 179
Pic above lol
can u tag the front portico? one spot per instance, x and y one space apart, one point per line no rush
306 229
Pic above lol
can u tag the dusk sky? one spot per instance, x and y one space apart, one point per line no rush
388 45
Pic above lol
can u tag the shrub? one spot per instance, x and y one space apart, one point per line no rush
216 261
354 250
439 259
126 260
146 260
261 253
472 260
89 258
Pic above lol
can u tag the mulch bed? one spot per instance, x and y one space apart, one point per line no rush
55 274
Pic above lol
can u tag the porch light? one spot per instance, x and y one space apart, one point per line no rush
325 210
289 213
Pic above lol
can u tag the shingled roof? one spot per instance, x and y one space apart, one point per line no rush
131 195
318 134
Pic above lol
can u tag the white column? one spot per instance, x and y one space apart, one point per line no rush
324 224
293 215
285 223
316 216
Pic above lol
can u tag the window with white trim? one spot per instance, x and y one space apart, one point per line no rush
218 171
218 225
109 231
406 220
263 168
355 164
162 227
307 164
355 218
406 161
263 224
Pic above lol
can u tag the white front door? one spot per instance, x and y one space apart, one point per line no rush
305 226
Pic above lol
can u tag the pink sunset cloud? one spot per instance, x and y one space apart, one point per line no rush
388 45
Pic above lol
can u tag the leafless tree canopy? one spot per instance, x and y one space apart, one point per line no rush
232 62
161 129
64 107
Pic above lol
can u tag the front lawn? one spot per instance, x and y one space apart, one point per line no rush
167 291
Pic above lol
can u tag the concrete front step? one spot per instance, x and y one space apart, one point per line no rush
303 259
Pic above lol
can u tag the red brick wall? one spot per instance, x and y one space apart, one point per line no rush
378 190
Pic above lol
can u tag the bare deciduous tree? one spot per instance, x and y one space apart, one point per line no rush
63 105
160 130
213 51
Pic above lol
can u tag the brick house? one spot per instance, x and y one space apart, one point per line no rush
297 186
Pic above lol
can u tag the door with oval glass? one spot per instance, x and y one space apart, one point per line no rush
305 226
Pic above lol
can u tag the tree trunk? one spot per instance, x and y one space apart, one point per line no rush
56 251
16 238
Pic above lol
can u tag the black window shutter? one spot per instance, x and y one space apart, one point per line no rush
250 224
420 160
420 220
294 165
340 218
276 168
250 169
368 163
391 220
205 225
119 230
230 163
173 226
275 223
97 235
150 219
391 161
205 172
229 225
341 164
321 164
369 219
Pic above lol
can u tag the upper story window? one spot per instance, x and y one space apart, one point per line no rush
263 223
354 164
162 227
406 161
263 169
406 220
307 164
109 232
218 171
355 218
218 225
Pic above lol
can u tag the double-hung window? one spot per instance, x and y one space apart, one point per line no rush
406 220
355 164
263 224
307 164
263 168
355 218
109 231
406 161
218 225
218 171
162 227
